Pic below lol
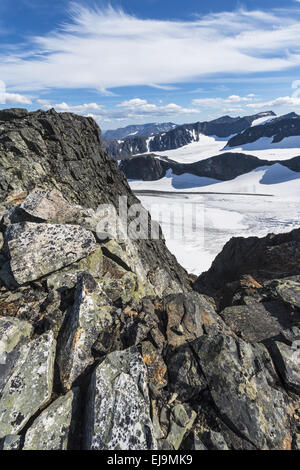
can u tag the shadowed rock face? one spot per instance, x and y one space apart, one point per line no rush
266 258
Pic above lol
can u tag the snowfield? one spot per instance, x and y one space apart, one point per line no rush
266 200
212 146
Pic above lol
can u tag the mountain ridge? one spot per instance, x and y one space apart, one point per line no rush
180 136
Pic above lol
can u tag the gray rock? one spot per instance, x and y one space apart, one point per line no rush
39 249
185 377
90 315
11 442
49 206
194 442
258 322
289 291
29 387
213 440
67 278
54 429
287 361
188 315
1 241
182 420
241 382
13 333
118 406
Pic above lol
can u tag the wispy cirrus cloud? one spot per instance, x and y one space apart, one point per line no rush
104 49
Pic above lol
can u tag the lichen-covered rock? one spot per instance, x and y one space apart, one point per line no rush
29 386
182 420
242 383
289 291
54 429
13 333
124 252
11 442
118 406
39 249
66 278
258 321
91 314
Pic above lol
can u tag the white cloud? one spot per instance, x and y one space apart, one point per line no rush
284 101
134 108
104 49
15 98
232 102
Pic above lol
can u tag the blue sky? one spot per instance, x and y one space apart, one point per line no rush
150 60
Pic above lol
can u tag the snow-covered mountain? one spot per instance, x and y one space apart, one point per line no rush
254 202
280 132
139 130
222 128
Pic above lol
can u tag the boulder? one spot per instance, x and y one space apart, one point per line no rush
244 388
289 291
118 406
13 333
29 386
187 317
258 321
48 205
36 250
54 429
90 315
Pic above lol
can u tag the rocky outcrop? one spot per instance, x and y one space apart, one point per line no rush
275 256
63 151
105 347
182 135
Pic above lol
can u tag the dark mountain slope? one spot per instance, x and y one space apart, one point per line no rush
222 167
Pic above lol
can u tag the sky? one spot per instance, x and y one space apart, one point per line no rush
137 61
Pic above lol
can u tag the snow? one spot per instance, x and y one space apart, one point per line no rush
262 120
267 180
211 146
220 217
